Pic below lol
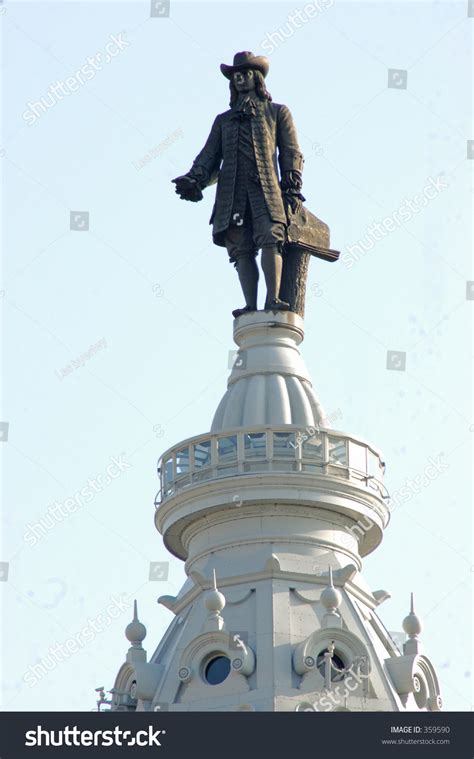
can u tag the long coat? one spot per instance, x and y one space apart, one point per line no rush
272 130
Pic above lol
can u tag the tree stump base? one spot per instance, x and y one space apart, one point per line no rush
293 279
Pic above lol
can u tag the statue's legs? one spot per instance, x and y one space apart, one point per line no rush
272 265
247 270
242 253
243 239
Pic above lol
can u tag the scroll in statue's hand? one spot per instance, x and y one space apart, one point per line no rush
188 188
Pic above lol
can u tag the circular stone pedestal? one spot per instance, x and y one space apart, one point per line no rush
269 383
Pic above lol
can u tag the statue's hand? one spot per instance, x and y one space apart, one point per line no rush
293 202
188 188
291 184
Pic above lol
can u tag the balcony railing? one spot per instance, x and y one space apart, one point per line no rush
263 449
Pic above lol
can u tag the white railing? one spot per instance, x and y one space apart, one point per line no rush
269 449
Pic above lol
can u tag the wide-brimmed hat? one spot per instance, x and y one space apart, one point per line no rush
246 60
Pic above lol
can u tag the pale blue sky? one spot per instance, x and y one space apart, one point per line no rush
147 279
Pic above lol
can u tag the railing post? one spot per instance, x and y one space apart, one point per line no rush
325 445
299 450
240 452
269 446
213 441
173 470
191 462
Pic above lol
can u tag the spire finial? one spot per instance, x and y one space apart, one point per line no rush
412 623
135 632
214 601
331 599
413 627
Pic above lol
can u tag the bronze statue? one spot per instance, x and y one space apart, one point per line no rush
255 205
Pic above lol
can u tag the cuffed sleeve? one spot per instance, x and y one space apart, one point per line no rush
292 182
290 157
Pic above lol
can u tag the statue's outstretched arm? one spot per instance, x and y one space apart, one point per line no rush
205 168
206 165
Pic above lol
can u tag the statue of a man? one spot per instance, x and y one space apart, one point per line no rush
242 154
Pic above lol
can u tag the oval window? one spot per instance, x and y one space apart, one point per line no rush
216 670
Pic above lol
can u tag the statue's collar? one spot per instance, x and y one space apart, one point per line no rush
246 105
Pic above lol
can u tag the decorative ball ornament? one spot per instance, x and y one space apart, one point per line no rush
412 624
331 598
135 632
215 601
